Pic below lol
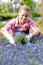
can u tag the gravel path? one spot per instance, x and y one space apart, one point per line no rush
27 54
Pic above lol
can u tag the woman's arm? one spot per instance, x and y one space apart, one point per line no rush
8 36
34 29
5 33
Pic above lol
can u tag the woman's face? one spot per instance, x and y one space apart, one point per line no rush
23 15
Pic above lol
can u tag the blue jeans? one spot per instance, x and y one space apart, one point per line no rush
17 32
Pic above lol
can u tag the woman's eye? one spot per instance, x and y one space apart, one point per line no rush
25 15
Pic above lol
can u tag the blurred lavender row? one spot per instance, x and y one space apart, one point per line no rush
22 54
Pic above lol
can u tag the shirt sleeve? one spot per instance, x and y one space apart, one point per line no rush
9 26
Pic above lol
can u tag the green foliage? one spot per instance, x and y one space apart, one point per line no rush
20 38
1 37
1 25
29 3
7 16
39 25
6 8
33 62
41 29
36 14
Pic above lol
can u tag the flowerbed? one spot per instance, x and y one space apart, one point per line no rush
22 54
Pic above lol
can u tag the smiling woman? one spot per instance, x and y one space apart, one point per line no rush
21 24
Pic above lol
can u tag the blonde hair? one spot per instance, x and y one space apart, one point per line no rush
25 8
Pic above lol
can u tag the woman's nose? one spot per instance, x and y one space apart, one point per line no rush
24 17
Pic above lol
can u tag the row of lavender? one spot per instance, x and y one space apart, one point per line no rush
22 54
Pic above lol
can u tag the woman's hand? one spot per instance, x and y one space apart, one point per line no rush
29 36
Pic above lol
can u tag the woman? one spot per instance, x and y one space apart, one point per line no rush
22 23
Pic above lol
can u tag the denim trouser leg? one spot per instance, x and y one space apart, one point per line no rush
17 33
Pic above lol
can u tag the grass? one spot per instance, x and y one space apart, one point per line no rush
39 25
